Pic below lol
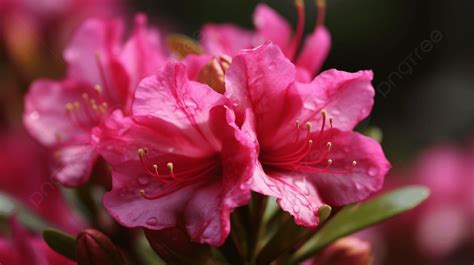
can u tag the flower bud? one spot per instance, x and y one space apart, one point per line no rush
349 250
213 73
95 248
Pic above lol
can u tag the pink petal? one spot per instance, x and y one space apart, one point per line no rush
315 51
272 27
93 37
226 39
45 114
195 63
294 194
259 79
181 102
143 54
353 184
347 97
205 205
74 163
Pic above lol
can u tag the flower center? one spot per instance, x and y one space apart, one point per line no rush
170 179
88 112
312 154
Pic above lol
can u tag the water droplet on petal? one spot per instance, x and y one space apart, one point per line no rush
143 181
152 221
34 115
373 171
296 209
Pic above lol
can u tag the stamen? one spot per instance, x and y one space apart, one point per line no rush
170 167
293 47
321 5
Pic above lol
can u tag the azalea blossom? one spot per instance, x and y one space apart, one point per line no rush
308 153
25 176
270 26
101 77
442 225
347 250
23 248
179 161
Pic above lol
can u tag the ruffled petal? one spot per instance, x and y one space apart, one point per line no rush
294 193
347 98
350 184
259 79
45 114
74 163
171 97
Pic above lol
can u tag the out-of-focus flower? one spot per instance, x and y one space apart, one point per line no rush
24 175
102 76
442 224
180 160
33 30
22 248
93 247
308 153
229 39
345 251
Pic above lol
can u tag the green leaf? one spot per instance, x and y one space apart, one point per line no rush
60 242
355 217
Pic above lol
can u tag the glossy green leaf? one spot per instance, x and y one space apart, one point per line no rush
356 217
60 242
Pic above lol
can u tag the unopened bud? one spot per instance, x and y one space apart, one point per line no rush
213 73
349 250
95 248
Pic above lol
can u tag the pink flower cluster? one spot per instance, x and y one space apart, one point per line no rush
184 153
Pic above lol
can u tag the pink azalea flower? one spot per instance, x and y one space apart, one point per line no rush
102 75
25 176
308 153
23 248
442 225
270 26
179 161
345 251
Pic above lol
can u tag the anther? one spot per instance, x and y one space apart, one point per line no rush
310 143
329 145
141 152
155 167
329 162
170 167
298 124
324 113
76 105
354 163
69 107
98 89
309 126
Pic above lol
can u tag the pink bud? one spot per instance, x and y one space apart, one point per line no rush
93 247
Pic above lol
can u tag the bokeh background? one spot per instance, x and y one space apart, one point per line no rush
422 53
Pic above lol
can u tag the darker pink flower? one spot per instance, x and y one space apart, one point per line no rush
308 154
442 226
23 248
102 76
179 161
25 176
270 26
345 251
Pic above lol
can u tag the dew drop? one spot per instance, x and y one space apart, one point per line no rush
296 209
143 181
152 221
373 171
34 115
